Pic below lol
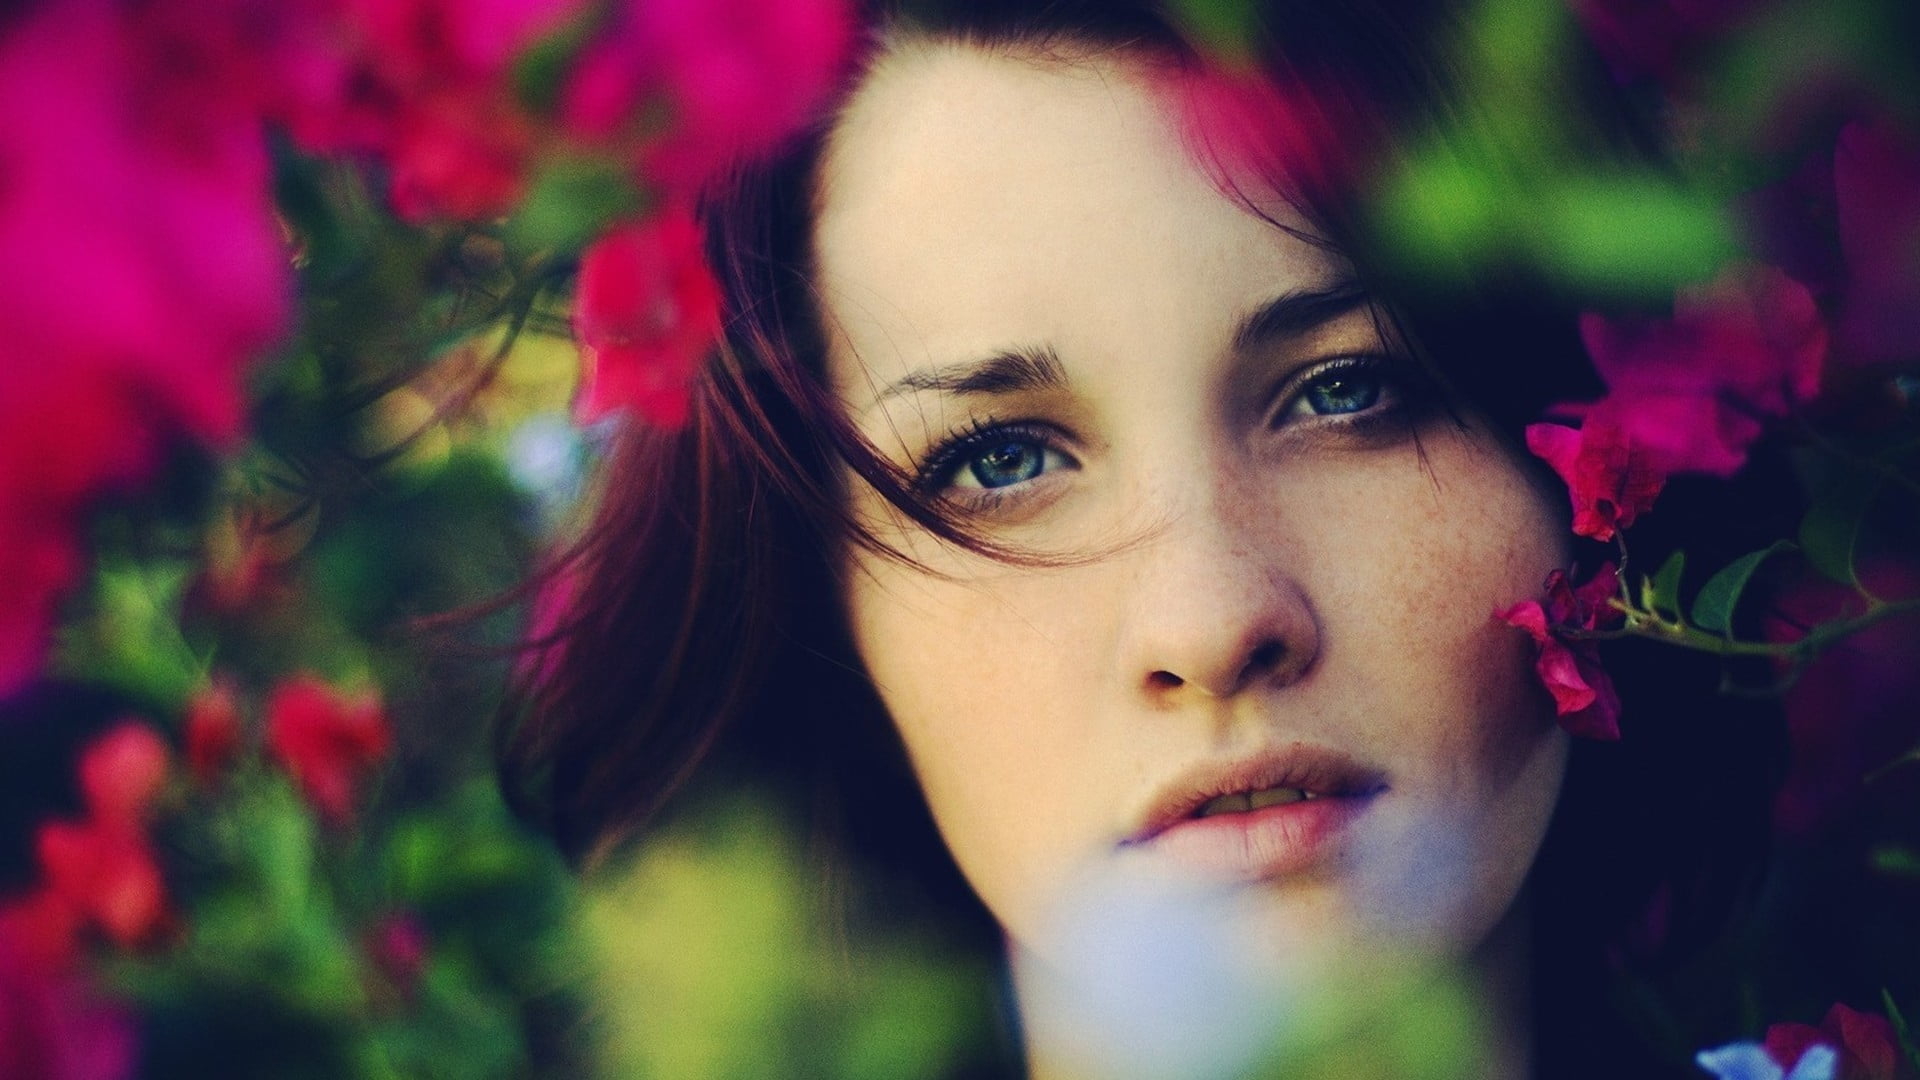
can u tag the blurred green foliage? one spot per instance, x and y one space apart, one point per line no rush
716 961
388 484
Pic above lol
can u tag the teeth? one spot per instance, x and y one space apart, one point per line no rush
1226 804
1255 800
1275 797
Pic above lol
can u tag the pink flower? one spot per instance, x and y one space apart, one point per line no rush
1865 1041
1876 178
66 437
102 868
1851 710
646 314
1610 480
1569 667
1657 39
122 771
136 243
141 271
426 87
397 946
52 1026
1691 391
326 740
107 873
213 731
739 76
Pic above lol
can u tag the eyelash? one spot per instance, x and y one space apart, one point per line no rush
1399 387
1399 390
935 474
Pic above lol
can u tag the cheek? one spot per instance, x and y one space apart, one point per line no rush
987 685
1419 572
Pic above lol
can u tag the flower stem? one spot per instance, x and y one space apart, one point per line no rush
1646 624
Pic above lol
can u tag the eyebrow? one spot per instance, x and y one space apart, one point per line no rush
1002 373
1296 312
1014 370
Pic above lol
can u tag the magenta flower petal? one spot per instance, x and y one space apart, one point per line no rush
1610 479
1876 178
1569 668
647 313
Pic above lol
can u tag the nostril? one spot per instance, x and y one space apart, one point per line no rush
1265 658
1165 680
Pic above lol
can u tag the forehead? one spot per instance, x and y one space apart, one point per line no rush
972 200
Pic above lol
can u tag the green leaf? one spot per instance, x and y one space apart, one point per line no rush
1901 1029
1634 234
1440 212
1661 593
1896 861
540 73
1831 530
1226 29
572 201
133 640
1713 608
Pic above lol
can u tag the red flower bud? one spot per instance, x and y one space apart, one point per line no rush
648 312
213 731
121 772
326 740
1865 1042
397 945
107 872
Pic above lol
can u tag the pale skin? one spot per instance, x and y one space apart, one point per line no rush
1281 547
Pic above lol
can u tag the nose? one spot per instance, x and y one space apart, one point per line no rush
1220 609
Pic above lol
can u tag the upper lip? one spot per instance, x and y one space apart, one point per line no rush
1314 769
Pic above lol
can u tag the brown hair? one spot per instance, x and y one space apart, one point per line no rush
704 592
703 632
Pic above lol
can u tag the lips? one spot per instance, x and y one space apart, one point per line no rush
1271 815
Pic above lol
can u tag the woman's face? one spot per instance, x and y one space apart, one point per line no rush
1270 660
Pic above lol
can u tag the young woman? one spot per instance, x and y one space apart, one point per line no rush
1072 477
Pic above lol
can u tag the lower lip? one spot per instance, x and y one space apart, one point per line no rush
1272 842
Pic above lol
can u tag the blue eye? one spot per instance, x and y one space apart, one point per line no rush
1342 391
991 455
1360 387
1004 463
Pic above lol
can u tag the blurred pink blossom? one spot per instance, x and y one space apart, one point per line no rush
426 88
1241 126
327 740
738 76
107 873
1851 711
122 771
102 867
397 945
141 270
52 1026
1658 39
1876 178
1866 1044
213 729
144 249
1693 391
647 312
